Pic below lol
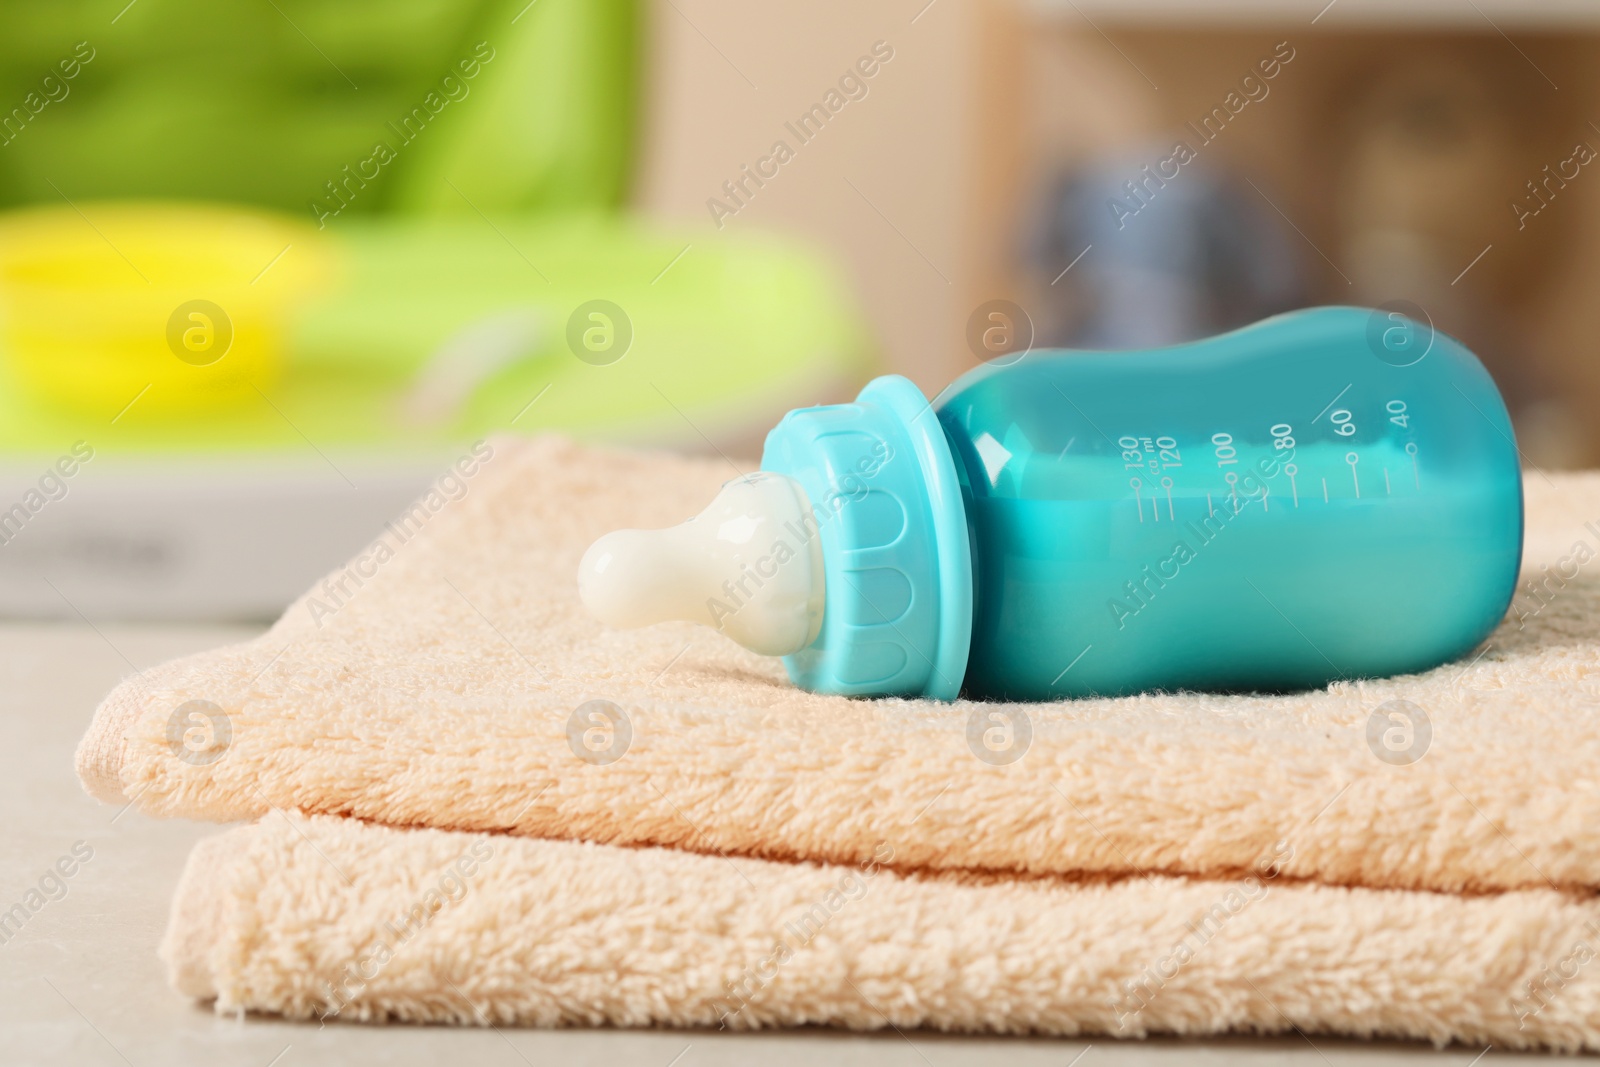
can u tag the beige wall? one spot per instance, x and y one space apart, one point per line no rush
906 147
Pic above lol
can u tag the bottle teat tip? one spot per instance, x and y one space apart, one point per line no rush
738 566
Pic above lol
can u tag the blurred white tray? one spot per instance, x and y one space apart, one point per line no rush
194 538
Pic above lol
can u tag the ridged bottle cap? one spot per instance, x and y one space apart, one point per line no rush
886 505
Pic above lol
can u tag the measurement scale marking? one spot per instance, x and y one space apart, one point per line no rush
1324 490
1386 490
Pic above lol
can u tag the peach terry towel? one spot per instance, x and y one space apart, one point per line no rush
449 678
324 917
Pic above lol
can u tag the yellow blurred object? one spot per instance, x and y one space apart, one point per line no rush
181 305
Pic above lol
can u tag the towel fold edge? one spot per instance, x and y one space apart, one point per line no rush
195 920
102 753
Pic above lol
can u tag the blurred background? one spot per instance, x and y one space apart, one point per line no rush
268 267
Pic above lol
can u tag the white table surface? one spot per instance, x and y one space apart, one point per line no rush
81 983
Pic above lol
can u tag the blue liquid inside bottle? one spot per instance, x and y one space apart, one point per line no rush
1332 493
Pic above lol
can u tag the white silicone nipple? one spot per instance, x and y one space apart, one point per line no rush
749 565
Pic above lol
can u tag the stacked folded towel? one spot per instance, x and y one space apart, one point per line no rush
477 805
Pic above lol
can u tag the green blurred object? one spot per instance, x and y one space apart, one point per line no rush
465 162
264 102
723 332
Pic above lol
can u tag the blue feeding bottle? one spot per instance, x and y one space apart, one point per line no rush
1332 493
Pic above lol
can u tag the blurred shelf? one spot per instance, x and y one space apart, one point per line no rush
1486 15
